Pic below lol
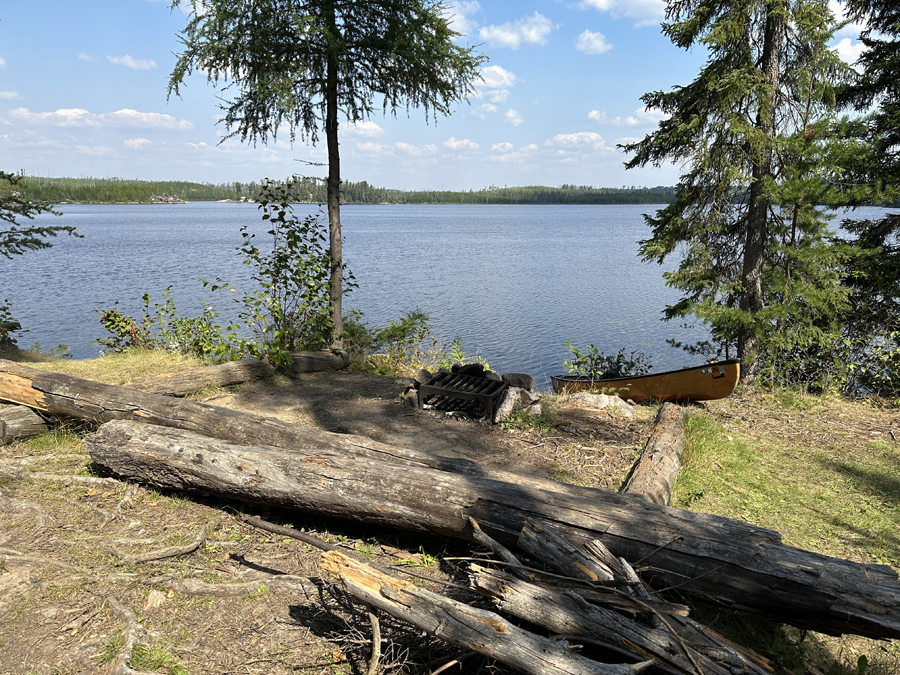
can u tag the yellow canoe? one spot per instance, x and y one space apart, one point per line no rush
698 383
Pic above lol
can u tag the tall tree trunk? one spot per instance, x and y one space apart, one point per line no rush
758 207
336 290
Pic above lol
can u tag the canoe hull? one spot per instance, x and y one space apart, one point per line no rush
700 383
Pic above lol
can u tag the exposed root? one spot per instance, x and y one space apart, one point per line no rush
134 635
169 552
22 507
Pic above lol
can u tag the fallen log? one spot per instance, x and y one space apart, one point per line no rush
709 557
464 626
19 421
196 379
317 361
654 473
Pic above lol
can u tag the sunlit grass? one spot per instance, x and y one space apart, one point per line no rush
118 369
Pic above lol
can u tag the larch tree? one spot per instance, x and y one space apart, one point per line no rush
301 65
754 132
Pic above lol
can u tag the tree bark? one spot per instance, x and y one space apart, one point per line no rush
19 421
195 379
333 184
707 557
653 476
462 625
755 246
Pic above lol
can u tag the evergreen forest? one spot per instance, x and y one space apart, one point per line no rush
313 190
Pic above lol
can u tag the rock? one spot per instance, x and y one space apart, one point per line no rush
529 397
155 599
412 397
470 369
601 401
423 376
535 409
520 380
507 404
491 375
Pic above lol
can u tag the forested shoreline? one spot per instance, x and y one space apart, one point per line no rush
312 190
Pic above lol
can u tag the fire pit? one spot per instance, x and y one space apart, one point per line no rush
455 386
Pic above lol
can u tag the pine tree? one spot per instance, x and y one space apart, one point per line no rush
756 132
298 63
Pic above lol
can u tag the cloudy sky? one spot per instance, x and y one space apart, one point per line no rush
83 93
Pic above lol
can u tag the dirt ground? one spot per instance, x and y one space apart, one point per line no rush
74 599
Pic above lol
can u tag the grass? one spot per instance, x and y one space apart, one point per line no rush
824 473
119 369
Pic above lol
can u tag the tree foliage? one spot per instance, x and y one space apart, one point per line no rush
762 147
15 238
295 64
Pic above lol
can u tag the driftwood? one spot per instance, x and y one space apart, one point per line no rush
464 626
654 473
196 379
709 557
19 421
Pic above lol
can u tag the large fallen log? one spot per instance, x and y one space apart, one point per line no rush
654 473
717 559
195 379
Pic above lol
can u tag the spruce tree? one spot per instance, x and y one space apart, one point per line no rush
754 131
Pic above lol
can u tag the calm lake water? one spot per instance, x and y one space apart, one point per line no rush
512 282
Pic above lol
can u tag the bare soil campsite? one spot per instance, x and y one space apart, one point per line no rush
105 571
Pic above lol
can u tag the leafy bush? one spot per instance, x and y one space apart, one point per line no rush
162 329
290 310
593 363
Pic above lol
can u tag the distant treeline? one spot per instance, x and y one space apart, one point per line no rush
118 190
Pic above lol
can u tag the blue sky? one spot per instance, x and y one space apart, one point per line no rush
83 93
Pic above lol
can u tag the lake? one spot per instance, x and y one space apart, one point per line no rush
512 282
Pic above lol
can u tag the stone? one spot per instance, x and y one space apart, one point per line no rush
491 375
601 401
412 397
520 380
423 376
470 369
506 405
529 397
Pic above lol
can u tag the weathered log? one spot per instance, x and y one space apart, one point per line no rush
196 379
19 421
709 557
316 361
569 614
654 473
464 626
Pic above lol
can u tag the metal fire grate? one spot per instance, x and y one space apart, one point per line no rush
462 387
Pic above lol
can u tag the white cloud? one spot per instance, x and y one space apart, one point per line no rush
532 30
9 95
2 62
641 12
578 140
134 64
641 117
459 14
495 85
86 57
513 117
839 9
136 143
592 43
460 144
485 109
79 117
415 150
95 150
369 146
502 147
848 51
365 128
